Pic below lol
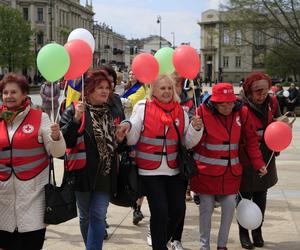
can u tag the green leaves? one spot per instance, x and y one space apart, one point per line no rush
15 40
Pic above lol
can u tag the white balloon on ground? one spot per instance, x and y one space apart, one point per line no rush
286 93
248 214
83 34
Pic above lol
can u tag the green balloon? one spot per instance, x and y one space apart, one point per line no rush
53 61
164 57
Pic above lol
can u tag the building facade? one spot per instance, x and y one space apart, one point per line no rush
53 20
224 54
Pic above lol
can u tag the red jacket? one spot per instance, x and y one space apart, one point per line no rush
216 154
153 139
24 155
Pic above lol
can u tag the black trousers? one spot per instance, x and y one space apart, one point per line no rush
259 198
179 229
166 198
33 240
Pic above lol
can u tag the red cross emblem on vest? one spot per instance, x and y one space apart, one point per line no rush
27 128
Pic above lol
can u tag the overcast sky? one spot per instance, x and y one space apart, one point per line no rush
137 18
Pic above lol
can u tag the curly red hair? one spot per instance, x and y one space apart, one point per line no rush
255 76
93 78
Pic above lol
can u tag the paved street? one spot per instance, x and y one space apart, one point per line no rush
281 228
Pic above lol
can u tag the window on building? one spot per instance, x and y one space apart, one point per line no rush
226 37
40 38
259 38
25 14
238 38
40 14
238 62
225 61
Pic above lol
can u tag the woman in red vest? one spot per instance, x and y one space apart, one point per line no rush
262 109
225 122
27 138
152 130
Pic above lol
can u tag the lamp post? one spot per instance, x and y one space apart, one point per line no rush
173 34
159 21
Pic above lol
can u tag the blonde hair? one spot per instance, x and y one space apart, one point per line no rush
169 79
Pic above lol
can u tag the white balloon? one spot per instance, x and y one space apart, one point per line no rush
248 214
83 34
286 93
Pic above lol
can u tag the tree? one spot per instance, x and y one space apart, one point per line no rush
285 63
273 25
15 40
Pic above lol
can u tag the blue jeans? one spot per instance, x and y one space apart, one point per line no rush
92 213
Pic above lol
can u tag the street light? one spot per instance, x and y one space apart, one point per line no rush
173 34
159 21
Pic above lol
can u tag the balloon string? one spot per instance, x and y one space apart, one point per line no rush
194 94
240 194
52 103
270 159
82 88
66 84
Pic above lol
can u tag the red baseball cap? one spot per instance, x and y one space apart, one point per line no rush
223 92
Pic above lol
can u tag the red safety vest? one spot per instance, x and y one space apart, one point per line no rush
153 139
189 104
24 155
76 156
218 148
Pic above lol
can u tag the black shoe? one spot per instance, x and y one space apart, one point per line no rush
105 235
258 240
196 199
137 216
245 239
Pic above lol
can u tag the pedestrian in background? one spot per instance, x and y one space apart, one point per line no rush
47 97
293 98
27 139
97 178
156 151
263 109
225 123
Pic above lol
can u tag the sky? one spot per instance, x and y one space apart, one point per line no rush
138 18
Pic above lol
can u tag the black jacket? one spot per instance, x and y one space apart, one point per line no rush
87 178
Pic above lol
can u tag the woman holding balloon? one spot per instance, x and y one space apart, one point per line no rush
156 150
24 166
225 122
263 109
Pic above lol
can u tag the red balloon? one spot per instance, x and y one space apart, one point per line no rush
81 58
278 136
145 67
186 61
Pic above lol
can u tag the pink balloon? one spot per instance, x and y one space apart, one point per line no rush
278 136
145 67
186 61
81 58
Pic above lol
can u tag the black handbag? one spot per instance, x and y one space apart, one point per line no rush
60 201
127 183
185 161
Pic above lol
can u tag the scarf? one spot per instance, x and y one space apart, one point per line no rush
169 111
9 115
104 133
132 90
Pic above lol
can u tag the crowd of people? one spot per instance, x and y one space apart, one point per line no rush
224 132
